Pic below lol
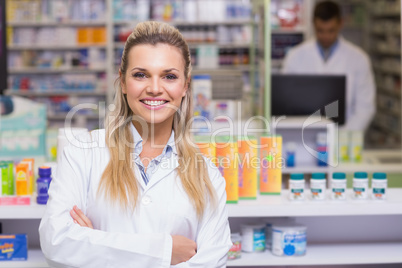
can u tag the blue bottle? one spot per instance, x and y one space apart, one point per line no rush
43 183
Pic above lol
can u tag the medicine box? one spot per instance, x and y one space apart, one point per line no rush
13 247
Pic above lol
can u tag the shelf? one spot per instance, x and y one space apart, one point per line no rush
35 260
267 206
281 206
389 13
222 69
46 70
386 127
317 254
33 211
55 24
388 70
54 47
304 169
33 93
386 32
328 254
120 45
389 92
298 122
63 116
388 111
391 52
195 23
288 31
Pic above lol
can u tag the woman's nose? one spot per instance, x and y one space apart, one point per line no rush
154 86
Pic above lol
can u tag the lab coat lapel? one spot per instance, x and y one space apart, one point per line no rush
138 176
165 168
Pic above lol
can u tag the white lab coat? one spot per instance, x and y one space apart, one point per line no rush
120 239
347 59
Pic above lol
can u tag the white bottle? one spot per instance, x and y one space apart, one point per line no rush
296 187
318 184
360 186
338 186
379 186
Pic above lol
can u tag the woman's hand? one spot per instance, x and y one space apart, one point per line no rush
80 218
183 249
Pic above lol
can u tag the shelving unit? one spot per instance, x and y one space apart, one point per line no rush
49 47
323 254
281 206
384 37
283 36
35 260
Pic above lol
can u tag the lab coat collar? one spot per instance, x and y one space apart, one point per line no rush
165 167
138 141
330 50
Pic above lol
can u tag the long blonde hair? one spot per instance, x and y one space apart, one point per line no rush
118 182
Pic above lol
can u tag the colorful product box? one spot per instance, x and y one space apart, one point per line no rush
31 163
4 179
226 153
22 179
206 147
248 165
271 165
13 247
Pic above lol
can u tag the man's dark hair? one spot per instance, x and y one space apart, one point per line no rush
327 10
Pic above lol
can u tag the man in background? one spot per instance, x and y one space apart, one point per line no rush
330 53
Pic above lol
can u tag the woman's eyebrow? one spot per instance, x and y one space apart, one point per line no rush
140 69
164 71
169 70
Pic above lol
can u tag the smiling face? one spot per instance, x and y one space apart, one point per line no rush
155 82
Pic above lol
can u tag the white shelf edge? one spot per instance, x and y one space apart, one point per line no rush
63 116
34 93
40 70
33 211
55 23
281 206
187 23
54 47
288 31
35 259
328 254
120 45
268 206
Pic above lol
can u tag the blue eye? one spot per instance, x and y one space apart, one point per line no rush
170 77
139 75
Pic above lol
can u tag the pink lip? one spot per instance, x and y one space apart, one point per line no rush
154 107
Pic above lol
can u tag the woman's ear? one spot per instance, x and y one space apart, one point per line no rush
187 86
122 85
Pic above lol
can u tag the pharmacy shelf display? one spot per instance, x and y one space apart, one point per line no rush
384 38
55 47
279 206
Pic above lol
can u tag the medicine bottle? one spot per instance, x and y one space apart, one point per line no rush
296 187
360 185
318 185
43 183
338 186
379 186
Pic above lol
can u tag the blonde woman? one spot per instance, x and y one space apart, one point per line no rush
139 194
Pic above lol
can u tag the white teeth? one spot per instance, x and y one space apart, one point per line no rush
154 103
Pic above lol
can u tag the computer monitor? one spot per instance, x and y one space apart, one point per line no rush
3 48
303 95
